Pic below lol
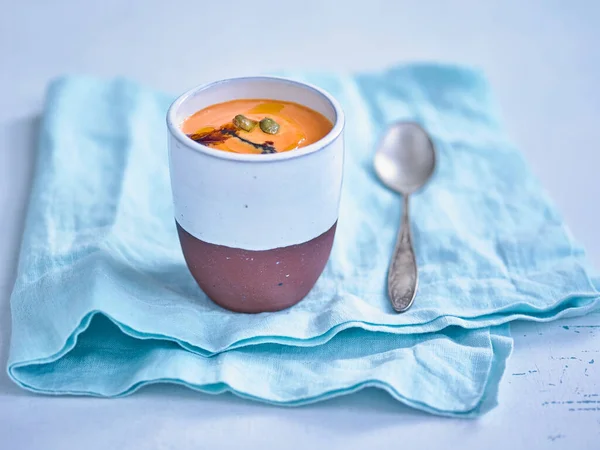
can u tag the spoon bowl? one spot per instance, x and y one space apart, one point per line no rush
405 158
404 162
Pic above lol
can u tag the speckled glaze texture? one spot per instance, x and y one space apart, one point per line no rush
256 230
252 281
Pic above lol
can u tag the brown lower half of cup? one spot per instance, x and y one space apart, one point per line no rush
252 281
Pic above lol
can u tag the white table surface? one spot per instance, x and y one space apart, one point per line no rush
543 60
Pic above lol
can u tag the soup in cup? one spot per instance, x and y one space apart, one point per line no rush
256 172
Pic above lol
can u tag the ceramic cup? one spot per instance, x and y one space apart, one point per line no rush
256 230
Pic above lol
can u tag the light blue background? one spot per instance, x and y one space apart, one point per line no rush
543 59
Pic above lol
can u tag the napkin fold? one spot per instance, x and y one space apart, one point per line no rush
103 303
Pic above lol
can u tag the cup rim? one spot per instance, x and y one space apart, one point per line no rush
333 134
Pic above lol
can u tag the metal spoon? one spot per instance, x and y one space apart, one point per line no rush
404 162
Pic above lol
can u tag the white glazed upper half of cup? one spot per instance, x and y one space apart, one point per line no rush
256 202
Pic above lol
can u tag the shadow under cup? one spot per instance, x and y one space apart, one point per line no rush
256 230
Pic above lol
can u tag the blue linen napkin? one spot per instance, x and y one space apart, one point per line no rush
103 303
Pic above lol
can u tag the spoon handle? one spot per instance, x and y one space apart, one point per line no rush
402 275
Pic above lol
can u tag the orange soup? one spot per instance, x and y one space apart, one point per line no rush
256 126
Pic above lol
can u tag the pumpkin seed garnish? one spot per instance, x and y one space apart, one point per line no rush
244 123
269 126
